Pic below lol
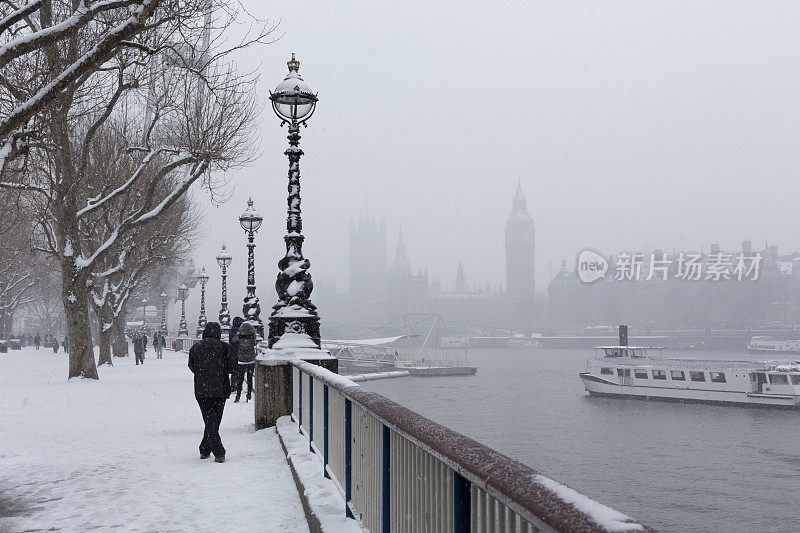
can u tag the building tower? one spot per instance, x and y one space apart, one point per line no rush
520 249
461 281
367 257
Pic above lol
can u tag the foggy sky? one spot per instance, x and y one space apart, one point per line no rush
631 125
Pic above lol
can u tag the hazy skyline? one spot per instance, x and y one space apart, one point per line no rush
631 126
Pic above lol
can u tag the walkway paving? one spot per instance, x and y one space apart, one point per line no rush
122 453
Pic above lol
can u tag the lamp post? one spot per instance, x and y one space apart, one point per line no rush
224 260
164 313
183 330
144 314
294 103
250 221
201 320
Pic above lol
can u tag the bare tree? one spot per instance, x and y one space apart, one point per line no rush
18 265
174 138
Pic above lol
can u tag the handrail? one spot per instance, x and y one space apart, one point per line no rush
535 498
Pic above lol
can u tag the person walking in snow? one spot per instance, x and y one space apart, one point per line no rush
237 323
139 346
212 361
55 345
245 341
37 341
158 344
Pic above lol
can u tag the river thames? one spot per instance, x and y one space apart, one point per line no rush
674 466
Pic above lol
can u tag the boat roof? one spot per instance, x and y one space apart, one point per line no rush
690 364
628 347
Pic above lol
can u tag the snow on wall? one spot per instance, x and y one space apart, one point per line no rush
608 518
323 497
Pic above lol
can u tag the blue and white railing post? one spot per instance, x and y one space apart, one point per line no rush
325 431
462 512
300 401
310 412
348 457
385 504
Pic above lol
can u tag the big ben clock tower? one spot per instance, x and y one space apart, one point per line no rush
520 248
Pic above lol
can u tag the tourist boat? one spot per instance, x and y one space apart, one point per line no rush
770 345
521 341
631 372
454 343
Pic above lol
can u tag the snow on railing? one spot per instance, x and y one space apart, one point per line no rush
399 471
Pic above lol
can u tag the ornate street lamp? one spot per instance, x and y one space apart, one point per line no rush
183 330
250 221
201 320
144 314
164 313
294 103
224 260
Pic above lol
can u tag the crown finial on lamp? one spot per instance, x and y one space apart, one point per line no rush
294 65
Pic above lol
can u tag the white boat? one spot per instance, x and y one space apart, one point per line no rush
630 372
769 345
521 341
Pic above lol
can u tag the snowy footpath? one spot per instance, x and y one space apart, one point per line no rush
121 453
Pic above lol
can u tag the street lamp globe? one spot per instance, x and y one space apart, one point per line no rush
224 258
250 220
292 100
203 277
183 291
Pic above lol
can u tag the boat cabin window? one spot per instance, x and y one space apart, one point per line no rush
696 375
677 375
717 377
796 379
659 374
641 373
607 371
778 379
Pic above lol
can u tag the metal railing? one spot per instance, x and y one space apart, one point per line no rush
399 471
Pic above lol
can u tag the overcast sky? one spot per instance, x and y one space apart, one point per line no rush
631 125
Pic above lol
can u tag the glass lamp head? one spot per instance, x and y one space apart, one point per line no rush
183 291
292 100
224 258
203 277
250 220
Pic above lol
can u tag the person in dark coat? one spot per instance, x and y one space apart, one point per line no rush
55 345
212 361
237 323
139 346
37 341
159 343
245 340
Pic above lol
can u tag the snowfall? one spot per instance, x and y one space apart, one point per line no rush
122 452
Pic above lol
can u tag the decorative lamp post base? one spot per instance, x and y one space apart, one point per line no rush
298 331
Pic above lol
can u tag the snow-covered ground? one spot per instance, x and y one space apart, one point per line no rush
122 453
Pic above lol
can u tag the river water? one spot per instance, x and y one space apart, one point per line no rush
673 466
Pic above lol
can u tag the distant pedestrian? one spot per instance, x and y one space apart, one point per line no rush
211 361
55 345
245 340
139 346
237 323
37 341
159 342
66 348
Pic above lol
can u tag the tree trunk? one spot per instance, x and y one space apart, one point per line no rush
75 297
106 333
120 341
